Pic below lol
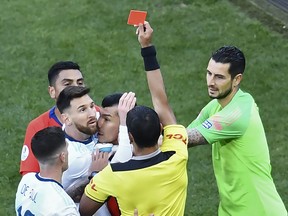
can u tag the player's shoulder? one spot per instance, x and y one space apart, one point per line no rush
28 178
40 119
44 120
52 190
244 96
242 101
30 175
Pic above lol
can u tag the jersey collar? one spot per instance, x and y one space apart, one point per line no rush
52 115
37 175
144 157
87 141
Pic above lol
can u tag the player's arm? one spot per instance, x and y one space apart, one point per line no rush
28 161
195 138
154 76
76 190
88 206
124 151
99 162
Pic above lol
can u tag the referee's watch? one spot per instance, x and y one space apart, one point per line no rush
92 174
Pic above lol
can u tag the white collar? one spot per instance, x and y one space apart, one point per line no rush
143 157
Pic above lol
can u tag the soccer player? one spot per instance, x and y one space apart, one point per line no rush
231 123
112 125
112 129
79 117
60 75
42 193
151 170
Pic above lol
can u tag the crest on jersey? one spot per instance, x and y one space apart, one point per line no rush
24 153
207 124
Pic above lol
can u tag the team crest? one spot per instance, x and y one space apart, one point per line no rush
25 153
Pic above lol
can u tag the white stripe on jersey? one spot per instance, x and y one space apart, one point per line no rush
41 196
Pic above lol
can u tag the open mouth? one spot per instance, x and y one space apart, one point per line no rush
212 90
92 122
99 134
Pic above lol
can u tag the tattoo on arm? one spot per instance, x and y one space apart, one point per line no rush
195 138
76 190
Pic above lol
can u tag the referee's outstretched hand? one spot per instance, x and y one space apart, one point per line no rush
144 32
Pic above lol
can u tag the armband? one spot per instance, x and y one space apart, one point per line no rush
149 57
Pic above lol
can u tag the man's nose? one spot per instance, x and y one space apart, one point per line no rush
99 122
210 80
92 112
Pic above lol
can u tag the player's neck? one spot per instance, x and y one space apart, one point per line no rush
224 101
52 173
76 134
144 151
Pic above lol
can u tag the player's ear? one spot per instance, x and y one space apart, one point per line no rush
161 129
64 154
131 138
63 157
66 119
160 139
51 91
237 79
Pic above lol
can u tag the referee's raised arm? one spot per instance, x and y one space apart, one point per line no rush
154 76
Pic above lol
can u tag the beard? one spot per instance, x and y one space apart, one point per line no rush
223 94
89 129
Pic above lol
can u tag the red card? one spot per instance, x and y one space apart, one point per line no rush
136 17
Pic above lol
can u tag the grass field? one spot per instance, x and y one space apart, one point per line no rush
36 34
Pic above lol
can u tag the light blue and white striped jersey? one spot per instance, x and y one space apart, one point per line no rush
42 196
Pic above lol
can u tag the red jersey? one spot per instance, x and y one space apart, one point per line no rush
28 161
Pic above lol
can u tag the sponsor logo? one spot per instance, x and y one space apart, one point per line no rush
25 153
207 124
177 136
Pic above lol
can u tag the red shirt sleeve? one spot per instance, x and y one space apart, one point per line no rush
28 161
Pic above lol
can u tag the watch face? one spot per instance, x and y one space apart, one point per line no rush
92 175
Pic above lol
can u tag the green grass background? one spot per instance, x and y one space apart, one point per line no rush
34 34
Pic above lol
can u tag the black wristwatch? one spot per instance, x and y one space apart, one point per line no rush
92 174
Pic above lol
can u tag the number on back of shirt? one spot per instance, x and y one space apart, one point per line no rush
27 212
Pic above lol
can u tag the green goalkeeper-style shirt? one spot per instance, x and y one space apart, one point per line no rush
240 157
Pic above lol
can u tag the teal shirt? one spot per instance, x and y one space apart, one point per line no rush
240 157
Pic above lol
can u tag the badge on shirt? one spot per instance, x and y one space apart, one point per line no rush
207 124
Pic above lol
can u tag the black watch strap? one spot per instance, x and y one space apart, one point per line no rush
92 174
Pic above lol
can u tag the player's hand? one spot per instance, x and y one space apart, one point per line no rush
144 32
126 103
136 213
99 160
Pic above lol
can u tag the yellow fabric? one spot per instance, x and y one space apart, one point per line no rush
159 188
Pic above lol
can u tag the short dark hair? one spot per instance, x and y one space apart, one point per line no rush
111 100
58 67
68 94
144 125
232 55
47 142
